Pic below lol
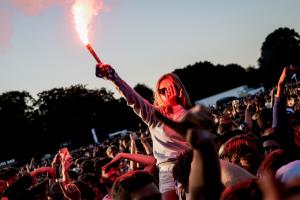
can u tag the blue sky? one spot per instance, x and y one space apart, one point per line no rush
142 39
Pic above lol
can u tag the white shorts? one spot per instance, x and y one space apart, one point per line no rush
166 180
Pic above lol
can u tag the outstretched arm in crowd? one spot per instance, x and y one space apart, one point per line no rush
280 123
41 170
272 96
65 166
30 166
133 137
147 161
248 119
146 145
205 177
140 105
279 111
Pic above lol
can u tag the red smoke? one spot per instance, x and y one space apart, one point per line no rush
5 30
31 8
35 7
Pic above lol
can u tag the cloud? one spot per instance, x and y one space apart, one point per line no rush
5 30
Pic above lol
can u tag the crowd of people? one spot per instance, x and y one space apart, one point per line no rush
247 148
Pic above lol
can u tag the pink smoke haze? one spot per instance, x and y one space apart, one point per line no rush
35 7
5 31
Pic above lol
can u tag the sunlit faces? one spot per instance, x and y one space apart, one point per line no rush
164 86
167 91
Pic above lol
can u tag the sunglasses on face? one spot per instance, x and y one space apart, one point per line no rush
162 91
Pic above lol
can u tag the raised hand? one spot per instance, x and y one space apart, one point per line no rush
56 160
105 71
143 138
287 71
171 94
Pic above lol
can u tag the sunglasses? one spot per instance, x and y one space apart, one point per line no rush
162 91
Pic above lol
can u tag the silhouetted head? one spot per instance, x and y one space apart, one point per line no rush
137 185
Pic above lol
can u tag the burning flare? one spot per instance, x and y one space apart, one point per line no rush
83 12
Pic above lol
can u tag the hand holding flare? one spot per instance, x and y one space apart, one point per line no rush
105 71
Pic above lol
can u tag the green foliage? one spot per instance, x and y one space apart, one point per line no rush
280 48
144 91
204 79
34 127
15 113
71 113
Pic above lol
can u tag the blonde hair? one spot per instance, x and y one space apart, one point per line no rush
183 100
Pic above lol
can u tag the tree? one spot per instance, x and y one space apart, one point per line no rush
69 114
204 79
144 91
280 48
15 116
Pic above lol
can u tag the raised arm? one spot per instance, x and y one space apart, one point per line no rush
146 145
41 170
140 106
248 119
144 160
280 122
132 164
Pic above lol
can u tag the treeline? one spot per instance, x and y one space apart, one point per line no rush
204 79
32 127
280 48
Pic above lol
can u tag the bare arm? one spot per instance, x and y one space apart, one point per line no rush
205 175
133 165
41 170
140 106
248 119
280 121
65 170
146 145
144 160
